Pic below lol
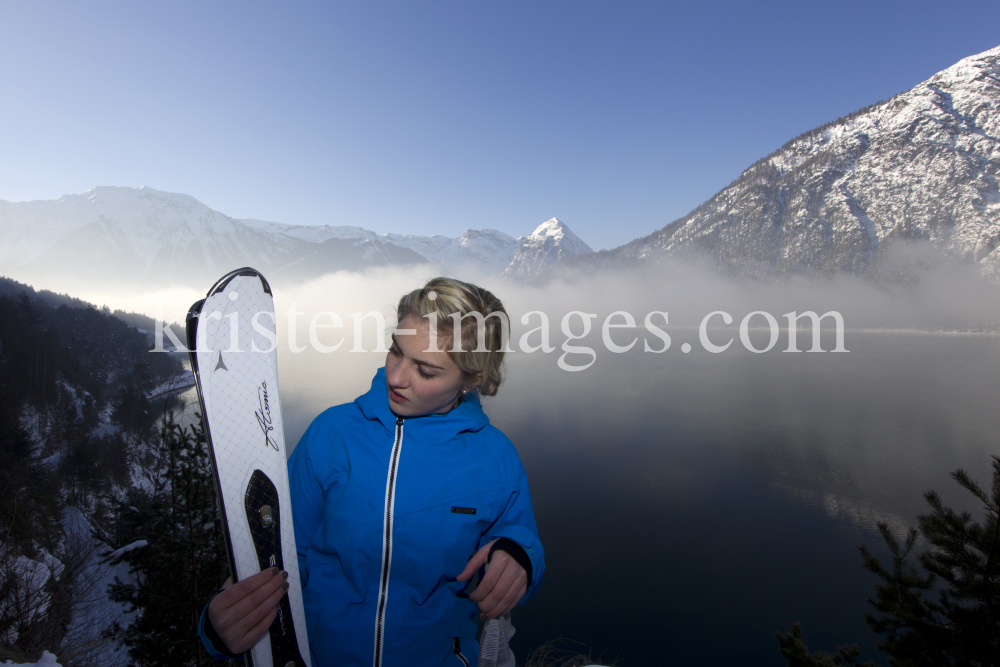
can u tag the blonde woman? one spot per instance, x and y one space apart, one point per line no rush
399 499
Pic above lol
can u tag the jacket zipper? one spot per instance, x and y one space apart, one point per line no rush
456 647
383 587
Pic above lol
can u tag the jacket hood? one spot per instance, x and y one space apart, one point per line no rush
468 416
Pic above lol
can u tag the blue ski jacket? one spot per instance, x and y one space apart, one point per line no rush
388 511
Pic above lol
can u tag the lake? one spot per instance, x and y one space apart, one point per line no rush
692 505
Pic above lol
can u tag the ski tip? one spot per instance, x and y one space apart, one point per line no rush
221 283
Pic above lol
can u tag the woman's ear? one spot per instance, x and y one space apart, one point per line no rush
473 383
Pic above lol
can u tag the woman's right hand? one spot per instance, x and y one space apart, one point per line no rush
242 613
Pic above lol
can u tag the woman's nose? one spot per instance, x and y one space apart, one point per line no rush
397 376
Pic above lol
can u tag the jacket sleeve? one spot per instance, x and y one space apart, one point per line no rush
210 639
306 474
517 523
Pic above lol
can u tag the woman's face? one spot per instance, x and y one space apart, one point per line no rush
421 382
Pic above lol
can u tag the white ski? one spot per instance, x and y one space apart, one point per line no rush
233 349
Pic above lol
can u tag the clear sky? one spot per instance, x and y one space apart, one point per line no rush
433 117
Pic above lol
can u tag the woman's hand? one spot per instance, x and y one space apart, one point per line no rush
243 612
503 586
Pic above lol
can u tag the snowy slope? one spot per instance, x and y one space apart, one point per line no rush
310 233
47 660
144 237
550 243
922 166
488 250
129 234
94 612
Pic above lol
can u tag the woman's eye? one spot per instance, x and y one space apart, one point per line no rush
422 373
393 350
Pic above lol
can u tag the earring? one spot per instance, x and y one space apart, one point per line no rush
465 391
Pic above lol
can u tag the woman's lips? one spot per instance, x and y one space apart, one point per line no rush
396 397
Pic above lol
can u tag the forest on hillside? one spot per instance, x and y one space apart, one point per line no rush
97 484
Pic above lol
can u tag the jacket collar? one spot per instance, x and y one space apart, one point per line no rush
468 416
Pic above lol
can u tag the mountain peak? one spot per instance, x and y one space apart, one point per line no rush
119 196
552 227
551 242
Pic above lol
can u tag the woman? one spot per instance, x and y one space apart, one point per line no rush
399 498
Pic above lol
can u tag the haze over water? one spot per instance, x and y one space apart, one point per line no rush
692 505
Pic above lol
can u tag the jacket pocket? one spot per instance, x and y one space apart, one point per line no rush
462 524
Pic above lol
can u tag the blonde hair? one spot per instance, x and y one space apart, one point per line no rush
441 302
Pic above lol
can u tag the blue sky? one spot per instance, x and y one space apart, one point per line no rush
432 117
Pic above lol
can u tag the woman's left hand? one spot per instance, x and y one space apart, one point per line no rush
503 586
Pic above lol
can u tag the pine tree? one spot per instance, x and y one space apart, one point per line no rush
30 537
962 625
184 561
796 653
131 409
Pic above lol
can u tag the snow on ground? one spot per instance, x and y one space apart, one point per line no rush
138 544
35 422
94 612
174 385
47 660
29 578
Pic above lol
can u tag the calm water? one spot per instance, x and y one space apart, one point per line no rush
693 505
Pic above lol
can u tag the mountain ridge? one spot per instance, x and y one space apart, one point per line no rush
842 197
147 236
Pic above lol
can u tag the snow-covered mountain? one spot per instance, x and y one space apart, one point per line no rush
128 234
488 250
921 166
147 237
325 248
551 243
